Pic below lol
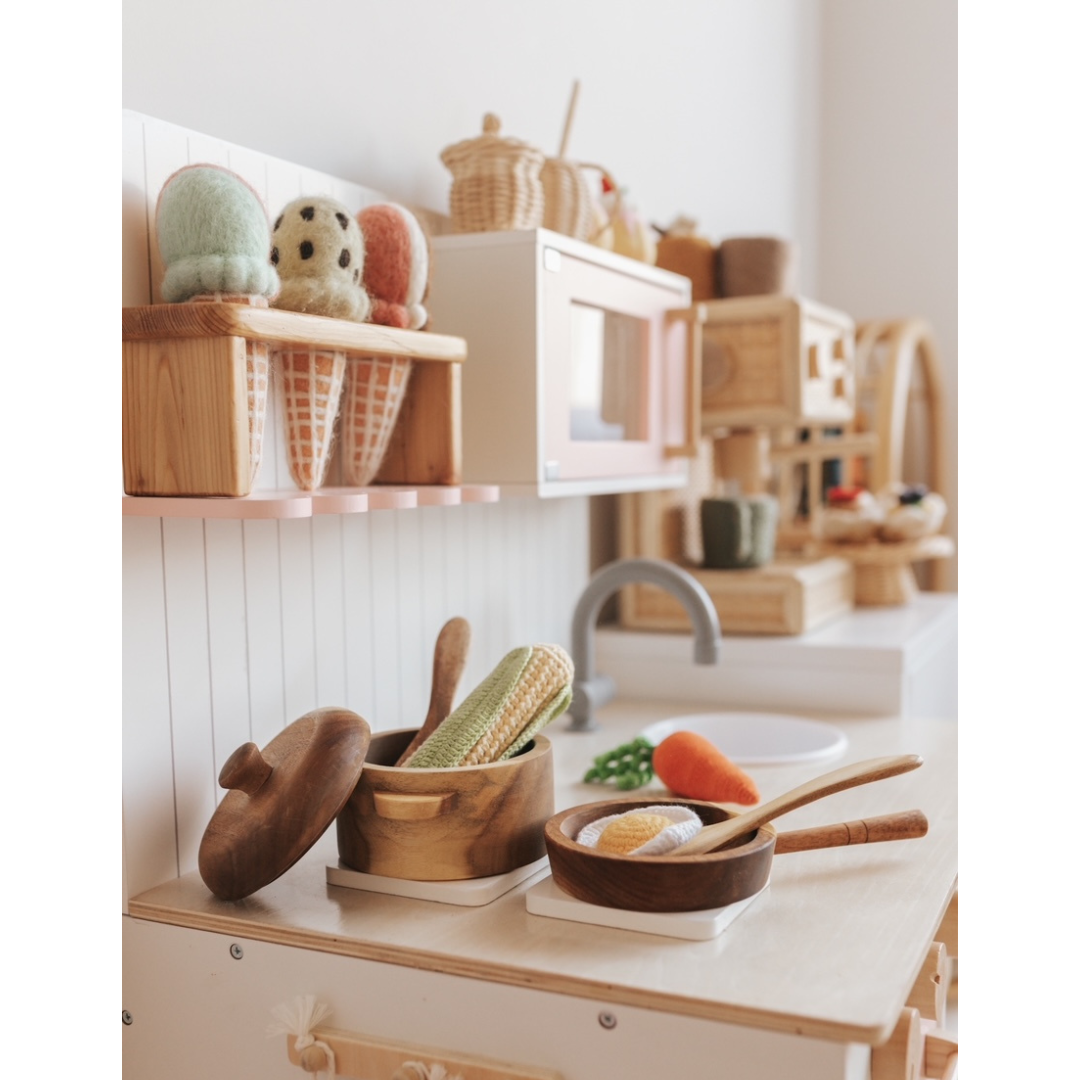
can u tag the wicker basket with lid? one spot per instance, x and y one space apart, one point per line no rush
496 182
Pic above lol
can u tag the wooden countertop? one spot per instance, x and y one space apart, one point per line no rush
830 949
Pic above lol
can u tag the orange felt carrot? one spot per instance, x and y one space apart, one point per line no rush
692 768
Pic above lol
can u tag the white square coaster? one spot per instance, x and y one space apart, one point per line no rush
471 892
546 898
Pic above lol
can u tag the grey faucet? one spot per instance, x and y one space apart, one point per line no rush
592 690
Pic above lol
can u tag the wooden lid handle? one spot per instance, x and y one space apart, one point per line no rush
246 770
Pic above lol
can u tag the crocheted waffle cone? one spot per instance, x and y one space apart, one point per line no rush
258 374
374 390
530 688
311 385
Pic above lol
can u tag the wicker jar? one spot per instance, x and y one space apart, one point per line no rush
568 206
496 182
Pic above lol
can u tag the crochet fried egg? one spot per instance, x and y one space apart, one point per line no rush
318 250
648 830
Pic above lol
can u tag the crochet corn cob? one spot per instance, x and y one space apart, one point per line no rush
530 688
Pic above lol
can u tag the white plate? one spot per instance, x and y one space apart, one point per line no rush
757 738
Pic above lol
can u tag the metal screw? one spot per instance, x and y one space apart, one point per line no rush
126 1017
607 1020
236 952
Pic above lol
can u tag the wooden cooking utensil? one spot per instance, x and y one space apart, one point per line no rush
695 882
451 652
716 836
905 825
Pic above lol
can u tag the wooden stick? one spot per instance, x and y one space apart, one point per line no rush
862 772
569 119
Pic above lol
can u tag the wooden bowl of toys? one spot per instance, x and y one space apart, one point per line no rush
450 824
656 882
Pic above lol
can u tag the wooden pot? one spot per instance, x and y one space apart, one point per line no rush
656 882
446 824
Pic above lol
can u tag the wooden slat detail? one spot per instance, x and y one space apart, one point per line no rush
185 417
286 328
929 992
425 446
376 1059
901 1058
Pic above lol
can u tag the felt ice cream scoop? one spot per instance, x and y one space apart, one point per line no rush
396 265
648 830
318 250
395 276
213 234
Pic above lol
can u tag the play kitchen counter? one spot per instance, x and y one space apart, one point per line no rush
811 975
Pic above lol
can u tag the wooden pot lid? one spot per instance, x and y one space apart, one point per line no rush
281 800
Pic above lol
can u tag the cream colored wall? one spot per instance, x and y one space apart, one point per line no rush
705 107
888 213
830 122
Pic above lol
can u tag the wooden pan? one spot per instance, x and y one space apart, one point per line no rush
691 882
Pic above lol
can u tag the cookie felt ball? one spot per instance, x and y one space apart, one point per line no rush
214 236
396 265
318 250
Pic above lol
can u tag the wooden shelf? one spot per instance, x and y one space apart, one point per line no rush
169 321
194 423
280 505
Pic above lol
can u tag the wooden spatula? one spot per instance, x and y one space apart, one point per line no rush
451 652
862 772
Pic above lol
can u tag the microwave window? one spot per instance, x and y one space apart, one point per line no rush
607 375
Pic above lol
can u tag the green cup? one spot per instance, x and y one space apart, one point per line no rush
738 533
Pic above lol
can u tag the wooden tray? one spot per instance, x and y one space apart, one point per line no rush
185 416
789 596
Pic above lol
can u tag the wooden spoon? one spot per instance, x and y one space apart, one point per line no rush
451 652
862 772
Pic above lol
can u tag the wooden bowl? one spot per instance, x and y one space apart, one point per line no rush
656 882
472 821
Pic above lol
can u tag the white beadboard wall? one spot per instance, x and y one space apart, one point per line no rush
233 629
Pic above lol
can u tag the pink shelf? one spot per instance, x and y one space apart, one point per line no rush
298 504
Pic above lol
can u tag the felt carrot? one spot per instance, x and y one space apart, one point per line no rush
693 768
687 763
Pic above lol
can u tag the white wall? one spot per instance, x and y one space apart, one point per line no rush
829 122
888 213
699 106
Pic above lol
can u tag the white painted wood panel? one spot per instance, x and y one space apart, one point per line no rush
229 1003
149 807
233 629
189 681
226 624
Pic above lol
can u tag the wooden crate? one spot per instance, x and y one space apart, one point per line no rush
790 596
185 415
774 361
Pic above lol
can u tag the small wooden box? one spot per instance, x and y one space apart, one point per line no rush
789 596
775 361
185 403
